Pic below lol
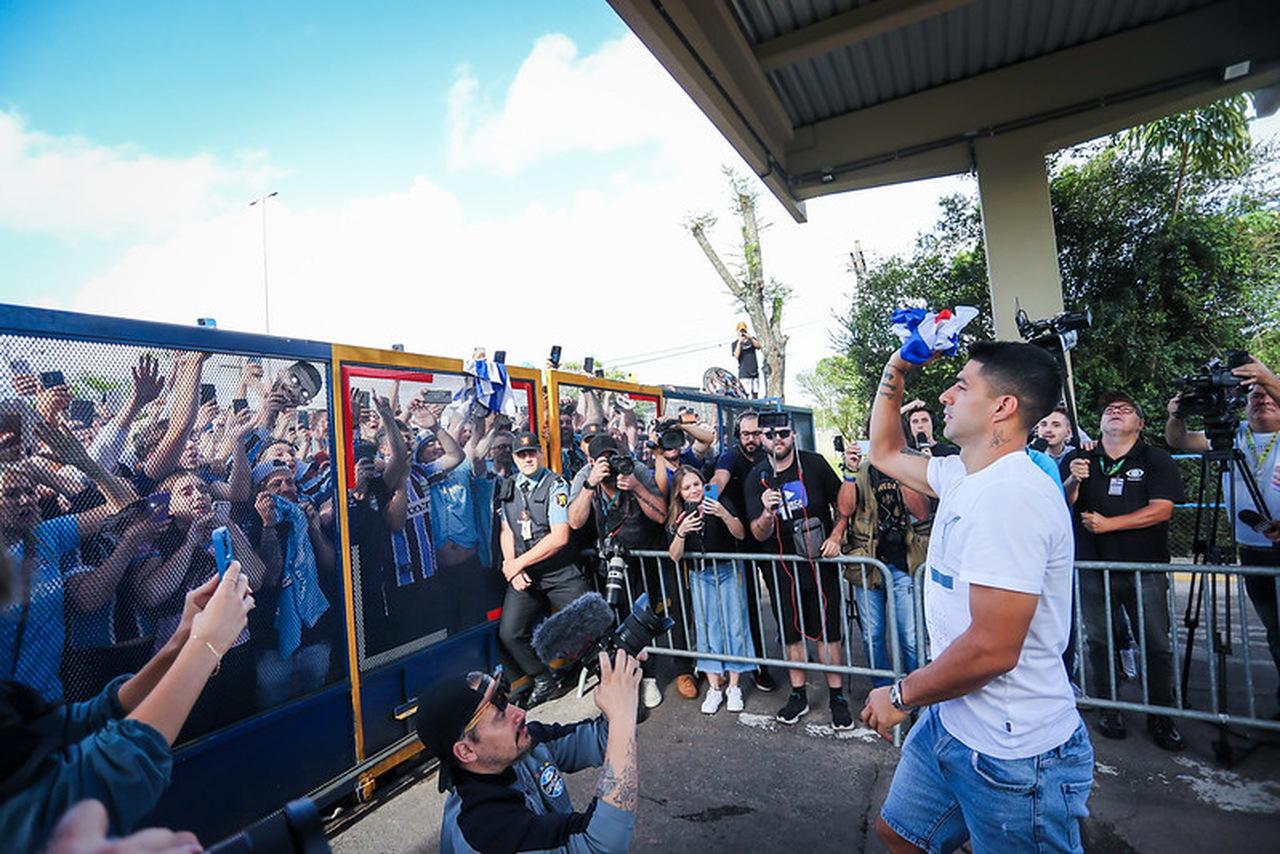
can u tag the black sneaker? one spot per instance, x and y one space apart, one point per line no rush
764 682
841 717
1111 724
797 707
1164 733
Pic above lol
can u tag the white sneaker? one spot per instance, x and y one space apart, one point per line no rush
735 700
711 704
649 693
1129 662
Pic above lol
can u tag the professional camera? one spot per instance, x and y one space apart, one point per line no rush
1215 394
613 561
1067 325
621 464
580 631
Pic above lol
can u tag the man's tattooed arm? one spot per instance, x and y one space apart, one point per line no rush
621 786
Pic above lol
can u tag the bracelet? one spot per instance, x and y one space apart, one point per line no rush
217 656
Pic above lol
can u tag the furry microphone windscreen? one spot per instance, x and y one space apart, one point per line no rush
572 629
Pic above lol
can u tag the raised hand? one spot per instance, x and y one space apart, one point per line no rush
147 382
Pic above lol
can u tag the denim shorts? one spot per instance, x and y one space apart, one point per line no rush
944 793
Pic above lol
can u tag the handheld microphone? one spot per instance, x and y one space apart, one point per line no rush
1255 520
572 630
921 439
1040 445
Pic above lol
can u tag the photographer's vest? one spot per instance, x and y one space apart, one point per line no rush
863 533
536 504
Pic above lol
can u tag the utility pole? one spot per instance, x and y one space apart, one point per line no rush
266 298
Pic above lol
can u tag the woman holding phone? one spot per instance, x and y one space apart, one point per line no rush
700 524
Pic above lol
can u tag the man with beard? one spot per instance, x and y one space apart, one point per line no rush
730 477
791 500
503 773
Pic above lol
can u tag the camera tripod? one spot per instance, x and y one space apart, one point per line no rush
1219 462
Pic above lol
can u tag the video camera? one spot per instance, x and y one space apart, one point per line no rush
1067 324
1216 395
584 628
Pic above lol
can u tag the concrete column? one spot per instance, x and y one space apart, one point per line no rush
1017 226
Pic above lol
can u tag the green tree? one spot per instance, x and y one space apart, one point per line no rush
1212 141
834 385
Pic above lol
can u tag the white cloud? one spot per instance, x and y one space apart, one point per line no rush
69 186
610 272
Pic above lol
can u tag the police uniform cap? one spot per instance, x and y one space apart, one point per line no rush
526 441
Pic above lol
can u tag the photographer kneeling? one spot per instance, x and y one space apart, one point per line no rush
504 773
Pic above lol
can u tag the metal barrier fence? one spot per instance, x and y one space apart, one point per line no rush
1190 624
799 594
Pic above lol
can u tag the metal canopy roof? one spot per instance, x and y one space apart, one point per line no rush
821 96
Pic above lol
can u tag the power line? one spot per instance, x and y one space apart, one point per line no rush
686 349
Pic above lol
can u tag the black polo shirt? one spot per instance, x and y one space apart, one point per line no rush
1117 487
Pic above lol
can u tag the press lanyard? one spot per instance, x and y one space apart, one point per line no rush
1266 452
1119 464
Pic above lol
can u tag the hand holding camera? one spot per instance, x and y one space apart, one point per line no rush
619 685
599 471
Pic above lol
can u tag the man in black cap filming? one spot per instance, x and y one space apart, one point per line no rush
539 563
505 773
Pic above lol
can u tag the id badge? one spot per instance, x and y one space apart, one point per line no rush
526 529
1116 487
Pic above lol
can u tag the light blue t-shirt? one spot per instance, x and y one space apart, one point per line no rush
38 640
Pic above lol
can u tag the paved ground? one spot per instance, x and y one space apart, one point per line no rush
747 783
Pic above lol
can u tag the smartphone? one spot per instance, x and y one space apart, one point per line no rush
589 365
158 504
52 379
81 411
555 356
441 395
304 418
769 420
254 360
208 393
222 509
239 405
838 443
362 398
500 357
711 491
220 539
365 451
20 367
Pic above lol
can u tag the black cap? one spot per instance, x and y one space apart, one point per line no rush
1110 397
593 428
526 441
442 716
601 445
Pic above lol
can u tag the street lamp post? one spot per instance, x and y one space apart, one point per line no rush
266 299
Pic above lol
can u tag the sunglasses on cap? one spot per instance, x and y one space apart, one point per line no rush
778 433
495 695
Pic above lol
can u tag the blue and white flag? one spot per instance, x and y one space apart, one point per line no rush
925 333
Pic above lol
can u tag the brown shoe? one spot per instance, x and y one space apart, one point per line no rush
687 686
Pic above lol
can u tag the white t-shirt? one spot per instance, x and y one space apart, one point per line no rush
1005 526
1262 456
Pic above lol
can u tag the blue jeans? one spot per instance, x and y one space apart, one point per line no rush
944 793
720 615
874 623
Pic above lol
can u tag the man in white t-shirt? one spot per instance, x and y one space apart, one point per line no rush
999 753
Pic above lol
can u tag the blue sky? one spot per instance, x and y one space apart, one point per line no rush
348 98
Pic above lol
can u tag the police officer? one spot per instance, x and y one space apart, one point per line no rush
538 562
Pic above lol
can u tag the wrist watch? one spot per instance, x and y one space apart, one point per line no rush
895 698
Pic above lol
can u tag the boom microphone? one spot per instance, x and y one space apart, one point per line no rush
572 630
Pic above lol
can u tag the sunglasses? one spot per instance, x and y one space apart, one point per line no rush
780 433
495 695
